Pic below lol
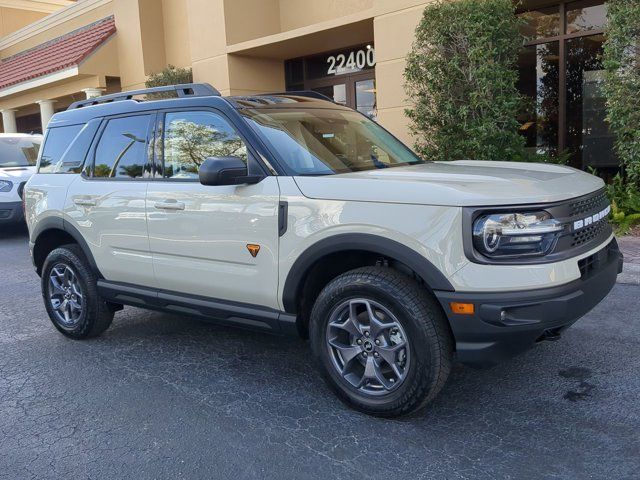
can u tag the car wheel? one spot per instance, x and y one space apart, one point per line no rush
381 341
70 292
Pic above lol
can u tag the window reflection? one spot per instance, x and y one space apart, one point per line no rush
541 23
122 151
539 80
192 137
588 136
586 15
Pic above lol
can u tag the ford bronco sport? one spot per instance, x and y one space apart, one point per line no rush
288 213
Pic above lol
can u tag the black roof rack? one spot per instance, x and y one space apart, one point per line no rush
301 93
183 90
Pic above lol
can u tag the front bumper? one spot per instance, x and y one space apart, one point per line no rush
505 324
11 212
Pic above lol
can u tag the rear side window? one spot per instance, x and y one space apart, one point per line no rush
56 143
122 149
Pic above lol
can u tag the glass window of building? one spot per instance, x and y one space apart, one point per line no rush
561 73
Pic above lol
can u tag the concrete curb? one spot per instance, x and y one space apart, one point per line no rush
630 274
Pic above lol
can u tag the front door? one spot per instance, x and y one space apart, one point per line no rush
202 237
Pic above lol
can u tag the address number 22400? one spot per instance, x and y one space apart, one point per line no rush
355 60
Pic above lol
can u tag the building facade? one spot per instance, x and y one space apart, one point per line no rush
53 52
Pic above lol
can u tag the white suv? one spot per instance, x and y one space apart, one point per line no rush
18 155
291 214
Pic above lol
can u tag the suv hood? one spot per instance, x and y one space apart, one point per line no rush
16 174
460 183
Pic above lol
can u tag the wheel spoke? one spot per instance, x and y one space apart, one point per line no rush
348 352
372 372
390 352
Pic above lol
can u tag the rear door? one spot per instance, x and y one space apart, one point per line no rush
106 204
200 236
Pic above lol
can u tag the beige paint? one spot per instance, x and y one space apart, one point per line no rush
250 19
176 33
301 13
12 19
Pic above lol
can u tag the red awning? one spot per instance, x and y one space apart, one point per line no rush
57 54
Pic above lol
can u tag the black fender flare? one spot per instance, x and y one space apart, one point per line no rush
428 272
57 223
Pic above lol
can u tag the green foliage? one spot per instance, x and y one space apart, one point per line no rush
622 86
461 77
625 204
169 76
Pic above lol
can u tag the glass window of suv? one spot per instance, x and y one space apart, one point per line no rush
19 151
122 149
57 142
192 137
325 142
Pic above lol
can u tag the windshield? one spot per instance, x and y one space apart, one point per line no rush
326 142
19 151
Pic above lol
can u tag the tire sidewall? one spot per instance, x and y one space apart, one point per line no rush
422 357
66 256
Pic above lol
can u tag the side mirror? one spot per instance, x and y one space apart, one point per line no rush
225 171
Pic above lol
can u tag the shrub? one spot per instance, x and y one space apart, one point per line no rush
622 83
169 76
625 204
461 77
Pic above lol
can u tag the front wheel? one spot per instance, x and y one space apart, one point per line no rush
381 341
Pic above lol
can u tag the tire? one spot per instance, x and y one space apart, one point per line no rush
420 346
85 314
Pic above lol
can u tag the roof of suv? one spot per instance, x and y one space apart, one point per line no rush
197 95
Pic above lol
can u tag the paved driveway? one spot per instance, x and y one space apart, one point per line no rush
160 396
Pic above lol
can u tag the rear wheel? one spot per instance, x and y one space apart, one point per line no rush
381 341
70 292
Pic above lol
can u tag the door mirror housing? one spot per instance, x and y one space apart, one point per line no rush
216 171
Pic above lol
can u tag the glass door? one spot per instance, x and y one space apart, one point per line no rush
354 91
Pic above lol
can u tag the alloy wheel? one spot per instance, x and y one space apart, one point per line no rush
368 346
65 295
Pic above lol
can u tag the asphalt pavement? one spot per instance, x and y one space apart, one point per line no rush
163 396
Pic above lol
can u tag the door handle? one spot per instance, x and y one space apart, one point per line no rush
169 205
85 202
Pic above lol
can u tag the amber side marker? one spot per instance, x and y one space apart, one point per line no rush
253 249
462 308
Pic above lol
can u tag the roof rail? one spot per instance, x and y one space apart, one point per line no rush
302 93
183 90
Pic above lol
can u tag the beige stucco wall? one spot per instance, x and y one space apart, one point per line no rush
12 19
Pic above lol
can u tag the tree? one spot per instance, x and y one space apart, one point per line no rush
622 83
461 77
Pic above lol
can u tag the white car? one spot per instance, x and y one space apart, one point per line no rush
18 155
292 214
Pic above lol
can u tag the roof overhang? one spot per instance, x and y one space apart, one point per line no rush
40 81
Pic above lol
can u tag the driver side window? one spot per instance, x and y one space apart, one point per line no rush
192 137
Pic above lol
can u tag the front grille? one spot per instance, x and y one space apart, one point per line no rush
589 233
589 204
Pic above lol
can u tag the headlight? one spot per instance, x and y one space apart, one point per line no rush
5 186
504 235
